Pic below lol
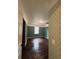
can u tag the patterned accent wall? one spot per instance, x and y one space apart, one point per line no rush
54 34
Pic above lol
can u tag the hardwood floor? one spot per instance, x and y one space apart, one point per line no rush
36 48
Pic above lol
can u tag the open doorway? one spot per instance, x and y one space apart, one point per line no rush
34 42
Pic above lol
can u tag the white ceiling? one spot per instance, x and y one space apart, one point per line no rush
36 11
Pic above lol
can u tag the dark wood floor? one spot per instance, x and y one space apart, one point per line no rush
36 48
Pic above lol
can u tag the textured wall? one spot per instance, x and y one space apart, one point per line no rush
54 35
20 25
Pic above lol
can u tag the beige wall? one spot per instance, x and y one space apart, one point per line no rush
20 23
54 34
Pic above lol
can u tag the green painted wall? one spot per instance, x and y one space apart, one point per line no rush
30 31
42 31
